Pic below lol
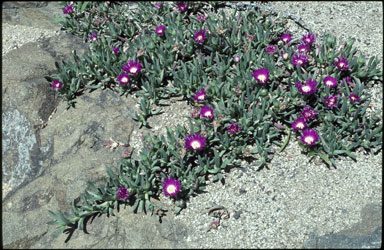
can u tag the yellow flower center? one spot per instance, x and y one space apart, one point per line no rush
329 83
208 114
306 88
341 64
201 97
300 125
195 144
133 70
300 62
261 78
200 38
124 79
171 189
309 139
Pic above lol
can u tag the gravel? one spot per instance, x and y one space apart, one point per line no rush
279 206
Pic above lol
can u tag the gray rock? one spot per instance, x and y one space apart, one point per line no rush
25 4
32 14
365 234
28 101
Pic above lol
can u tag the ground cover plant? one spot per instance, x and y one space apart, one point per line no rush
252 86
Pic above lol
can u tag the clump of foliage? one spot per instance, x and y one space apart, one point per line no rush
252 87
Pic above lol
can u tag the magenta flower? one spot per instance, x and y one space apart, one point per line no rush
354 98
200 95
68 9
116 50
56 84
195 142
122 193
206 112
132 67
159 6
330 81
171 187
303 49
236 58
299 59
342 63
286 38
331 101
201 18
308 39
261 75
123 79
233 128
299 124
200 36
307 113
309 137
160 30
93 37
309 87
284 54
271 49
182 7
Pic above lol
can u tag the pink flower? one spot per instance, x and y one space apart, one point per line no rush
299 124
308 39
307 113
171 187
233 128
309 137
331 101
354 98
160 30
303 49
132 67
206 112
309 87
342 63
271 49
200 36
199 95
123 79
286 38
330 82
261 75
122 193
56 84
299 59
195 142
182 7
